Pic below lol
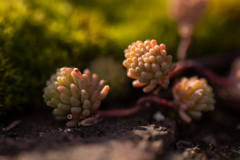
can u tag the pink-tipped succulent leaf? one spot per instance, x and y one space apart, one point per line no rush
73 94
192 96
149 64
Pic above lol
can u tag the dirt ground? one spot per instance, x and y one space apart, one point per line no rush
139 137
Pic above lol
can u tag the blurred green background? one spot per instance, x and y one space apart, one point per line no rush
38 36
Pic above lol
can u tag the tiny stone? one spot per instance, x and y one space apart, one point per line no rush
41 134
67 130
158 116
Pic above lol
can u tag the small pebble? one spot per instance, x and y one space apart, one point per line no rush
158 116
41 134
67 130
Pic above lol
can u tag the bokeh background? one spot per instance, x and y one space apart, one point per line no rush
37 37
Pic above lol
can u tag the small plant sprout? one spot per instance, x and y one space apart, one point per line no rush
73 95
186 13
191 96
148 63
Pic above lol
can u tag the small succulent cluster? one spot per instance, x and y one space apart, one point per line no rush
187 11
149 64
191 96
73 94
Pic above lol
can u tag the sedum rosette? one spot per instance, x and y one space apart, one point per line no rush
187 11
73 94
191 96
149 64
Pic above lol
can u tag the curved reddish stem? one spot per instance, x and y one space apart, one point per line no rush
119 112
131 111
209 74
182 48
156 100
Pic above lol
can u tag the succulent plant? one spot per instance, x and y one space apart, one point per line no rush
148 63
187 11
191 96
73 94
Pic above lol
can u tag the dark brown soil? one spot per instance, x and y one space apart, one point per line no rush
138 137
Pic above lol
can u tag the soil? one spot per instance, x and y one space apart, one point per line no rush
39 136
140 137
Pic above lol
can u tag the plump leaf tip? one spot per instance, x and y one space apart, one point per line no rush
192 96
73 94
148 63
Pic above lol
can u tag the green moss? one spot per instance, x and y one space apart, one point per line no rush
10 86
40 36
217 33
133 20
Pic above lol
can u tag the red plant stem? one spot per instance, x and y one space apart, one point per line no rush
131 111
182 48
119 112
154 99
209 74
